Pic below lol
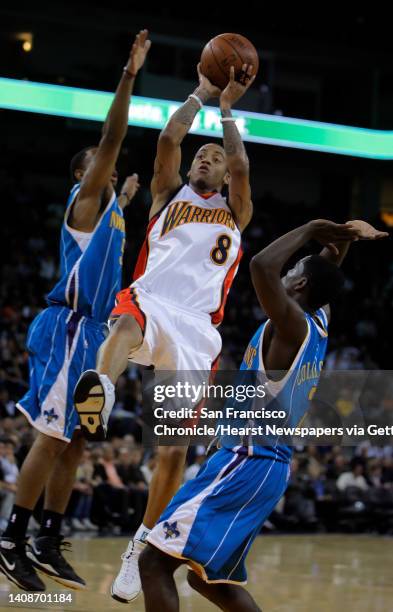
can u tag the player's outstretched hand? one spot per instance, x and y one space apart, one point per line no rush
236 89
139 51
327 232
366 231
211 90
130 187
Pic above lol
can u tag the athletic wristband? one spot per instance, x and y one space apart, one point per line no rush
227 119
128 73
197 99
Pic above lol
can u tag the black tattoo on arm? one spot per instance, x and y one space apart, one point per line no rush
233 143
238 166
188 111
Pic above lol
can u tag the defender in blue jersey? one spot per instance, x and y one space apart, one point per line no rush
63 341
212 521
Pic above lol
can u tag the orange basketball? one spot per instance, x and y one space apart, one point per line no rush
224 51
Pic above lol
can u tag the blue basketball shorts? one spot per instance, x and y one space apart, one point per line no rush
62 344
213 519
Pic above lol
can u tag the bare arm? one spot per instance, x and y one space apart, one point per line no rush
286 314
98 174
236 156
128 190
166 176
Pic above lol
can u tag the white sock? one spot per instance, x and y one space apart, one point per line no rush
107 380
142 533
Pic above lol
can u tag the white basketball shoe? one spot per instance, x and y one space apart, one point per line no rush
127 585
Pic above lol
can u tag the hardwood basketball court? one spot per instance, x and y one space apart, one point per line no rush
308 573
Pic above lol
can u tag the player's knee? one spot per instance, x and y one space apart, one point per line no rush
202 587
77 445
171 457
51 447
127 326
235 597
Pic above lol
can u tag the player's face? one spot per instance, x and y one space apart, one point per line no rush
89 158
209 167
295 277
114 178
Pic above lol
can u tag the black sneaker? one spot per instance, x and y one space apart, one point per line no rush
17 567
45 554
94 397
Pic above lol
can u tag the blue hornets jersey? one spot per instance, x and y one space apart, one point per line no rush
291 394
90 263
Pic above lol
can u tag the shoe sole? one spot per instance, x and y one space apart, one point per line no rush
71 584
89 401
75 586
121 599
18 584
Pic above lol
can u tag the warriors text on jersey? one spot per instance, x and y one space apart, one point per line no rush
191 253
90 264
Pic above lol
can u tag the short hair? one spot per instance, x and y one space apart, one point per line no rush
78 160
324 279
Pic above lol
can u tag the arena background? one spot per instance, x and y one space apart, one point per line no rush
321 65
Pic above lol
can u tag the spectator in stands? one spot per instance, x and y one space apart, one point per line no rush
132 477
7 406
387 471
375 475
8 478
147 468
83 494
336 466
354 478
110 499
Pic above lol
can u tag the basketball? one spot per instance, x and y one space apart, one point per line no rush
224 51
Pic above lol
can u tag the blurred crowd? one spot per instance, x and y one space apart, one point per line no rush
330 488
338 489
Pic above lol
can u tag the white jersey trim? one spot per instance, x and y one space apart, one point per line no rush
321 318
275 386
83 238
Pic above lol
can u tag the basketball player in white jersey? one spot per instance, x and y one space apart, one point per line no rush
168 317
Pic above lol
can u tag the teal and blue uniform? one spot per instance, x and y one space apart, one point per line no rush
214 518
63 339
291 394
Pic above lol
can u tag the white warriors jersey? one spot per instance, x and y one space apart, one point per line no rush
191 253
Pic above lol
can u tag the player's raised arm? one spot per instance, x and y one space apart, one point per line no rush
166 177
100 170
237 160
286 314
